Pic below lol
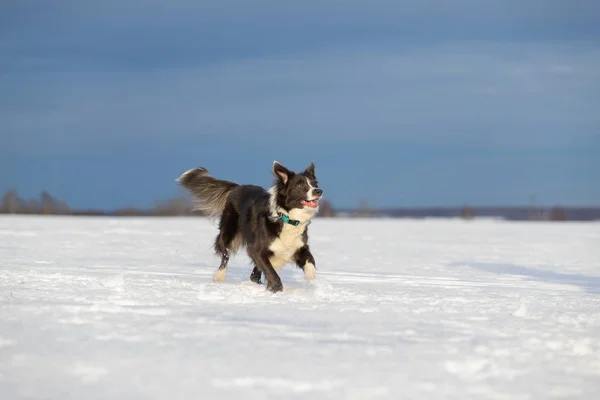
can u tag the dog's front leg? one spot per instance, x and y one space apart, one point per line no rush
273 280
305 260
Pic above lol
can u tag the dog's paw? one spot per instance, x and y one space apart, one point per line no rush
220 275
255 277
309 271
275 286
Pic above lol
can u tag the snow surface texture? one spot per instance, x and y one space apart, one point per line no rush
109 308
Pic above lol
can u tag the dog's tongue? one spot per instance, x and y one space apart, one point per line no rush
310 203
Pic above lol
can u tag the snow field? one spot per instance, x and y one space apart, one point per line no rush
125 308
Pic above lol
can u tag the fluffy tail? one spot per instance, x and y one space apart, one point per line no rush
210 192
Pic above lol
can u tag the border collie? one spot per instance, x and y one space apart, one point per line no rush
272 225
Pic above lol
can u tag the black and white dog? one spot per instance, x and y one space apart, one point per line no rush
271 224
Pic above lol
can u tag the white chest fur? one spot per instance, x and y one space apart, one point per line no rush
286 245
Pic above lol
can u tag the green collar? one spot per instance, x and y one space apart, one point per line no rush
287 219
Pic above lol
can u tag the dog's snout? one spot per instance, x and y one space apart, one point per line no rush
318 192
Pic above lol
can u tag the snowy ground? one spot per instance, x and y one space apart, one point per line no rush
103 308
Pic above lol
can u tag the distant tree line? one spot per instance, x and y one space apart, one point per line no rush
47 204
555 213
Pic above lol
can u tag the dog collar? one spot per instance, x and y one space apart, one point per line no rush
287 219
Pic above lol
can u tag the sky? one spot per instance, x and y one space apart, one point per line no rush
400 103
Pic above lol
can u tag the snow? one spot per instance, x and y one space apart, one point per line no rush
123 308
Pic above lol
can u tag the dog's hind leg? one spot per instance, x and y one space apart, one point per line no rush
223 244
222 271
256 275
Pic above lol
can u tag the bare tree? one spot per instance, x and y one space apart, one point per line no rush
11 204
364 210
50 205
326 209
557 214
174 206
467 212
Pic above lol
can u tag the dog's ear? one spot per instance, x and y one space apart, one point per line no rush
281 172
310 170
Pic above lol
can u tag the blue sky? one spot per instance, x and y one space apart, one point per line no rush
413 103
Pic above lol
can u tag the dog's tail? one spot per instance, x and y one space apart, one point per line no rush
211 193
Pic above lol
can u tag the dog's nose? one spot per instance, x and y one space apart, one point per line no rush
318 192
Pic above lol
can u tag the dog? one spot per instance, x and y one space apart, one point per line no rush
272 224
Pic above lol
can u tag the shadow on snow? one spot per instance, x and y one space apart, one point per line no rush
591 284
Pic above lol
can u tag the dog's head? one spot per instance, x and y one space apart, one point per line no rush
296 191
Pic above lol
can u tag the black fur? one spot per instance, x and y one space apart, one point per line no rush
249 217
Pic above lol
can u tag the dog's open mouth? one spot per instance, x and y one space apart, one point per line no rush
310 203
